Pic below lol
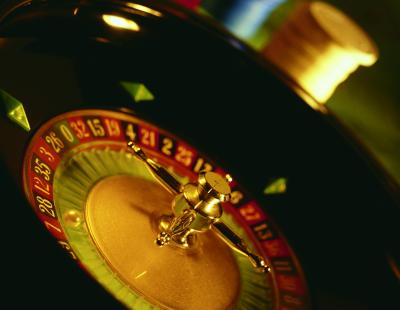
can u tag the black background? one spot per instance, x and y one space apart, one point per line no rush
337 214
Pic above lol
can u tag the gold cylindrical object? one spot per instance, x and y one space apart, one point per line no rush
318 47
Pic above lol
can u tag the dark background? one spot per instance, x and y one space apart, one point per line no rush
369 101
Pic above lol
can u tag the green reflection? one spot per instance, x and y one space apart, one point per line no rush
14 110
276 186
138 91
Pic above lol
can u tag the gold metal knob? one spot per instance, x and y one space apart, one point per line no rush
213 185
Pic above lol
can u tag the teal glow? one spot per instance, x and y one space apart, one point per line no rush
246 16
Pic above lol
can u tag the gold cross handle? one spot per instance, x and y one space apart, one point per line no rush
238 244
158 171
197 208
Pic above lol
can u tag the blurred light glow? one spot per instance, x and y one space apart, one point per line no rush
276 186
246 16
319 47
326 74
190 4
144 9
120 22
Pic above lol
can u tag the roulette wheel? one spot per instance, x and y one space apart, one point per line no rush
174 169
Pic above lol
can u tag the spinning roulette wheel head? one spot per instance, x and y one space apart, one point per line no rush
128 117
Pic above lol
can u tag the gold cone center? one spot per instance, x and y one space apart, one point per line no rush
122 214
